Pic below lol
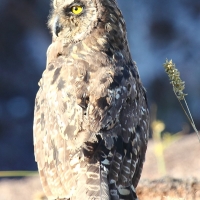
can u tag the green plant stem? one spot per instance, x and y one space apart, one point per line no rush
189 116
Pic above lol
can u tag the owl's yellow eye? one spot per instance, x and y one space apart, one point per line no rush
77 9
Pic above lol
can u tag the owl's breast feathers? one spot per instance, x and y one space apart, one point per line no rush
95 110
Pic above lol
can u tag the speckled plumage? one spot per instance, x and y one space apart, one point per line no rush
91 120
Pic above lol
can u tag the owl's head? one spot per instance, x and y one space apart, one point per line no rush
73 20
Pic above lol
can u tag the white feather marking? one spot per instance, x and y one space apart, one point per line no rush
74 160
112 181
123 191
106 162
117 96
92 175
76 168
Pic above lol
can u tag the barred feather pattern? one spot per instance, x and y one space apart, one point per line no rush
91 119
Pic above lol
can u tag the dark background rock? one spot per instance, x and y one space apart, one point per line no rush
156 30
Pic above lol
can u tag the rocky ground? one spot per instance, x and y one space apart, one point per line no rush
179 179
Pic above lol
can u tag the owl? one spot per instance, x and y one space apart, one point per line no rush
91 119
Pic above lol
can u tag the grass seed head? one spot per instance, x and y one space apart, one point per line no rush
175 80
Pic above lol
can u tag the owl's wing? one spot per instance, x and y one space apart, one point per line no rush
124 163
121 118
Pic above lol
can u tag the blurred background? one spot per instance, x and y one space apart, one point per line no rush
156 30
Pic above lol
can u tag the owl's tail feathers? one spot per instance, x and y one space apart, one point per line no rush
88 186
121 165
111 188
104 188
122 193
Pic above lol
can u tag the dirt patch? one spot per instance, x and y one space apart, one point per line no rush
182 159
20 189
169 188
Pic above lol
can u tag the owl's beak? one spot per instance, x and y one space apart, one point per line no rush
57 27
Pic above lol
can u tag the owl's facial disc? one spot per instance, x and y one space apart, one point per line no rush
74 9
73 19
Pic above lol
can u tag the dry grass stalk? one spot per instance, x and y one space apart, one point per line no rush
178 87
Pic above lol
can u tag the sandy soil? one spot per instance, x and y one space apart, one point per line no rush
182 162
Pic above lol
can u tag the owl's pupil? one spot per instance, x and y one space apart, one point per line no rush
76 8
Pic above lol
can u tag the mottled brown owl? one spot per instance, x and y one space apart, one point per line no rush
91 121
